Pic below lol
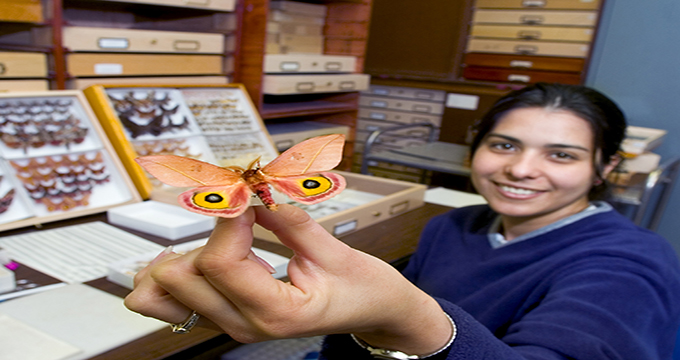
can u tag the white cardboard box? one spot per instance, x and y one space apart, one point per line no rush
367 200
164 220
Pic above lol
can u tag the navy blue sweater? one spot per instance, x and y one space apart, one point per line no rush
599 288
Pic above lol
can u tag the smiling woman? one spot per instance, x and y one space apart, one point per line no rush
543 271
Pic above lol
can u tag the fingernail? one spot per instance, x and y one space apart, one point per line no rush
166 251
262 262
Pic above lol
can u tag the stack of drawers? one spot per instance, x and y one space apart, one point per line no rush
22 71
530 41
382 107
295 63
295 27
112 55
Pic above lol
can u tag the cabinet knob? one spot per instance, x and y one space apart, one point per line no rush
3 69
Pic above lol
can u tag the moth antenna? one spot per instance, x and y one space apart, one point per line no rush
255 164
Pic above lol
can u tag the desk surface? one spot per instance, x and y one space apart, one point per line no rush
392 240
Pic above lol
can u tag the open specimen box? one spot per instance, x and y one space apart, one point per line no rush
217 124
55 160
220 125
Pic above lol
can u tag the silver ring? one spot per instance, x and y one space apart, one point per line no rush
186 326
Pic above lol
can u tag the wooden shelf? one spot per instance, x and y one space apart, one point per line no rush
276 107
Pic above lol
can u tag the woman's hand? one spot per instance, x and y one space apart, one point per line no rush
333 288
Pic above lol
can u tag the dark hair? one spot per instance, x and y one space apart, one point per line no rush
606 120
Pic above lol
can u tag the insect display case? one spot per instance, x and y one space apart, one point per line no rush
215 124
219 125
55 160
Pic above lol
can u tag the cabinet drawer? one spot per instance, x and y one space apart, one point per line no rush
219 5
529 32
296 7
18 64
407 92
83 83
529 47
274 27
305 84
535 17
150 41
308 63
527 62
424 107
142 64
399 116
23 85
539 4
285 17
21 10
373 125
521 76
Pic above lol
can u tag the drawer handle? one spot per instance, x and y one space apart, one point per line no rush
377 103
531 19
422 108
3 69
519 78
377 115
424 95
113 43
304 86
290 66
521 64
333 66
347 85
526 49
187 45
533 3
529 34
197 2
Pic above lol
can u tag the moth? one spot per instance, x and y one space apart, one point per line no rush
300 172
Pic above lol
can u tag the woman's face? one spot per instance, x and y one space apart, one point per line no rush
536 164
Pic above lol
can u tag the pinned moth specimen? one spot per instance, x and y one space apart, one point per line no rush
301 172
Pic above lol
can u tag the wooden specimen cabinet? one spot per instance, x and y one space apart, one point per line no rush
87 42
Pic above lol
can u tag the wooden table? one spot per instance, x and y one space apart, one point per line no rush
392 240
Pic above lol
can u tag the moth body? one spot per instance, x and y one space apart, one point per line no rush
301 173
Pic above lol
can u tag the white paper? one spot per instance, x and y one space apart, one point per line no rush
462 101
19 341
452 198
76 253
84 317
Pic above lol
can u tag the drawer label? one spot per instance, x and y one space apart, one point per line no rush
108 69
377 115
520 78
345 227
462 101
113 43
333 66
187 45
521 63
533 3
290 66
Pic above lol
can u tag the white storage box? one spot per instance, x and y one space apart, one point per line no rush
123 272
308 63
305 84
160 219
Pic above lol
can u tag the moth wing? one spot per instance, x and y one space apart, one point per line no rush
314 155
225 201
309 189
185 172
